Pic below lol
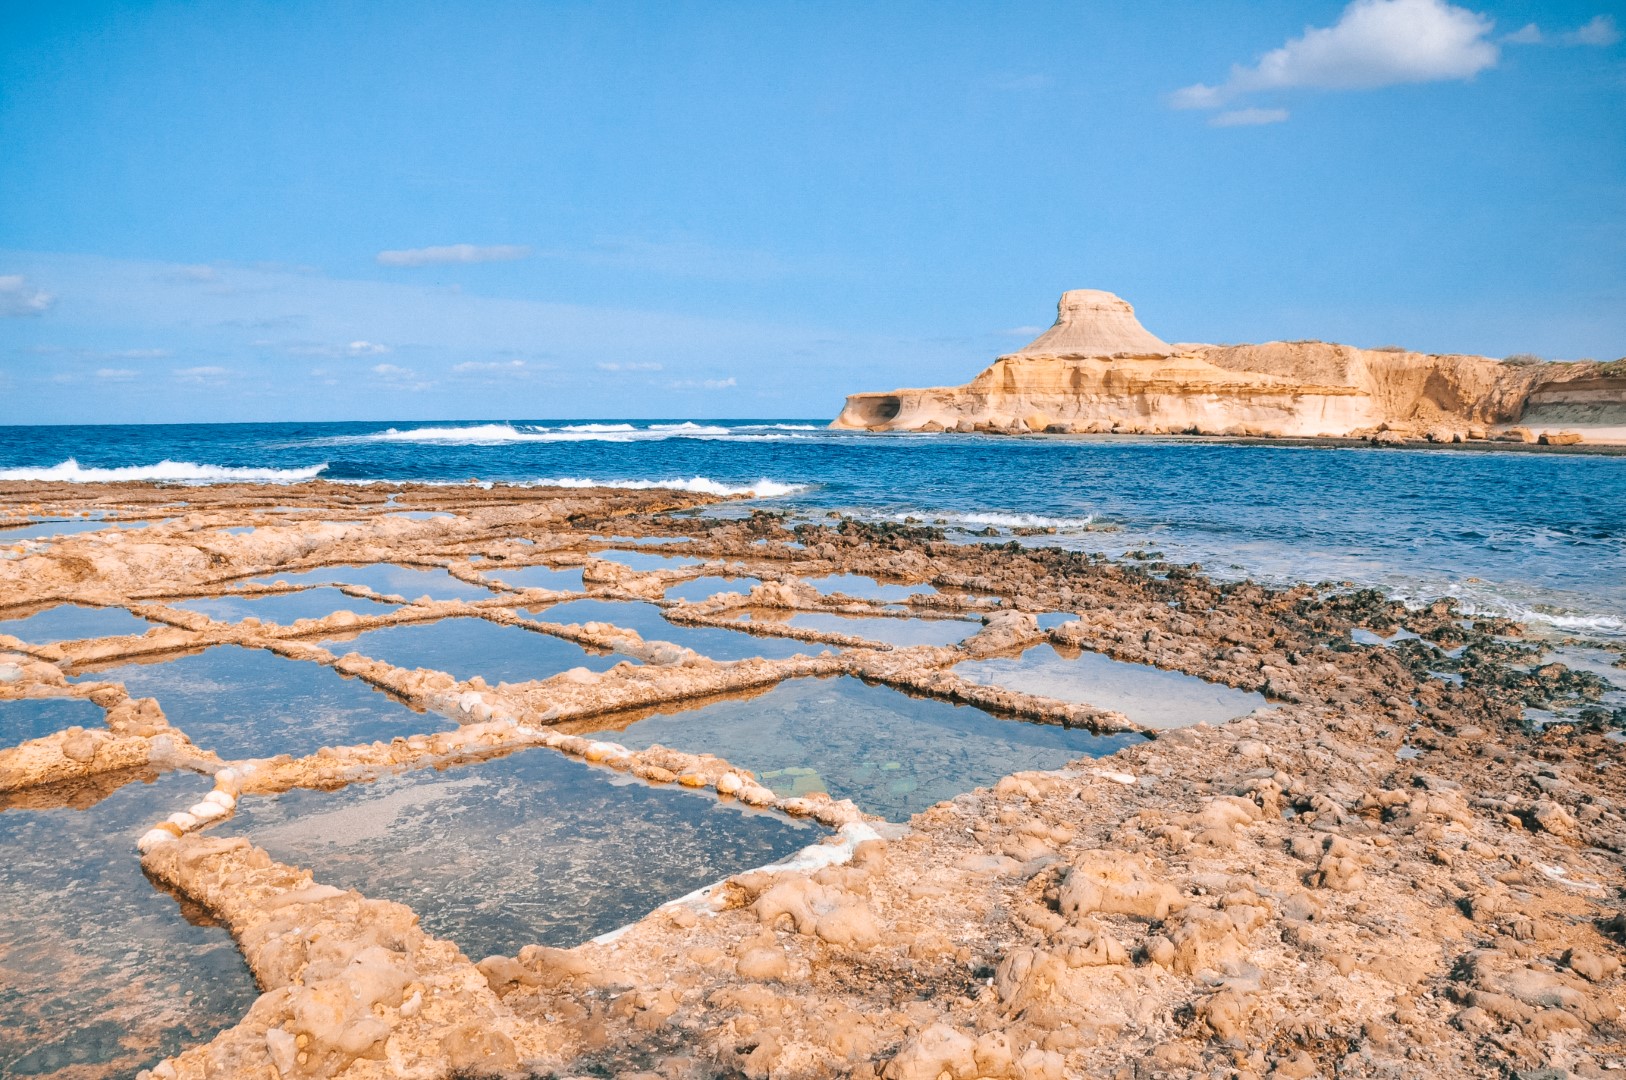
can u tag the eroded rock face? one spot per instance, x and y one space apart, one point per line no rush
1098 370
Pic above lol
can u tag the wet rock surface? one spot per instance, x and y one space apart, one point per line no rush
1388 871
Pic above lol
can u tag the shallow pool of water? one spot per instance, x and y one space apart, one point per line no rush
465 647
409 582
891 753
101 974
646 560
283 608
43 529
704 588
530 848
1145 694
898 632
242 702
72 622
560 579
651 625
35 718
866 588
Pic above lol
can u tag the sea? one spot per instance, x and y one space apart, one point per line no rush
1537 537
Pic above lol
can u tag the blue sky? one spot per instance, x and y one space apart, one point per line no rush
258 211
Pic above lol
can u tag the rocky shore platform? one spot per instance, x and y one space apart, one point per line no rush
1386 872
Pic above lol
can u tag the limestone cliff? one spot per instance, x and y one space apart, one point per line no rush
1098 369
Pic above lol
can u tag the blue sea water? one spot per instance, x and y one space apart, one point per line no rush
1537 536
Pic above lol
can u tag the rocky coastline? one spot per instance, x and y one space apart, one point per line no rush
1098 371
1387 871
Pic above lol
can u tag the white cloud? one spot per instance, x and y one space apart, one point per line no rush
618 366
1248 117
491 367
702 384
366 348
18 298
400 377
201 375
135 354
453 253
1375 43
1599 31
110 374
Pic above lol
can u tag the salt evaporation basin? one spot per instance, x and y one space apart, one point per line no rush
35 718
559 579
465 647
283 609
389 579
646 619
898 632
646 560
705 587
860 587
72 622
892 753
101 973
242 702
1147 695
531 848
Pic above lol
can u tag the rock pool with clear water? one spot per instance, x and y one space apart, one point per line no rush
1147 695
647 560
560 579
529 848
899 632
408 582
101 973
891 753
72 622
709 585
34 718
242 702
719 644
283 608
467 646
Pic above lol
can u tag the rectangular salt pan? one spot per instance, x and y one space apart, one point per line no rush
651 625
101 974
559 579
891 753
466 647
244 703
525 849
389 579
866 588
703 588
35 718
1147 695
45 529
283 609
646 560
73 622
898 632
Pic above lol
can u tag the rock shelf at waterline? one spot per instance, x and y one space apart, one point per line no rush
1382 871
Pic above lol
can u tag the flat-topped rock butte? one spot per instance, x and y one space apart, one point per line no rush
1383 872
1098 370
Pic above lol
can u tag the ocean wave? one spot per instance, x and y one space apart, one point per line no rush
175 472
762 489
1000 521
498 434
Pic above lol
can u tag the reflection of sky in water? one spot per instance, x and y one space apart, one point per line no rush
71 622
566 579
1145 694
646 618
865 588
43 529
529 848
465 647
406 581
892 754
99 970
282 608
709 585
901 632
242 702
646 560
34 718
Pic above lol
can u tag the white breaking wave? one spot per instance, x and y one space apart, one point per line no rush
497 434
762 489
1003 521
177 472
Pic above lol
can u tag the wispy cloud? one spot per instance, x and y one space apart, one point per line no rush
19 299
201 375
349 349
517 368
108 374
1600 31
1248 117
453 253
400 377
702 384
616 365
1374 43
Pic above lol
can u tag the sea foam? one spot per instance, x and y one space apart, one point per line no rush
762 489
175 472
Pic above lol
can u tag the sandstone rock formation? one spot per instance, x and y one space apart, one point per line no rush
1098 370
